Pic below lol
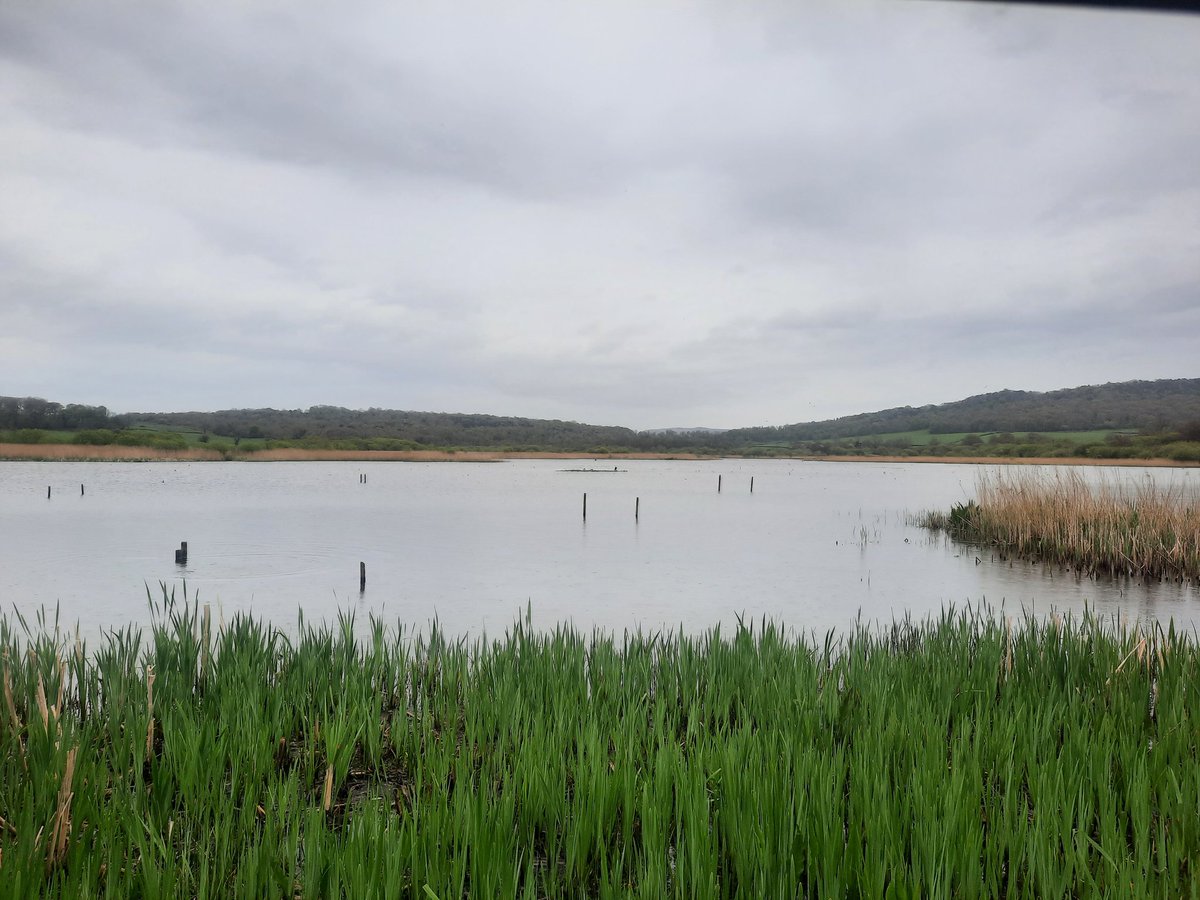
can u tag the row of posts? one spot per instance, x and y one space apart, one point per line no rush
181 558
637 501
181 555
48 491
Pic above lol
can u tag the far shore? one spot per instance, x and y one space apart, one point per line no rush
1012 460
112 452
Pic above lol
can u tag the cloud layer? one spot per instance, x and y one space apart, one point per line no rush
638 214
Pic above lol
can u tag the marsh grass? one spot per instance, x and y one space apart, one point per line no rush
1147 531
964 755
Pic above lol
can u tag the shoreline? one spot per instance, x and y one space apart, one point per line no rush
112 453
1013 461
115 453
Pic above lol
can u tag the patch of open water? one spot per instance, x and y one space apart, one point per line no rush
815 545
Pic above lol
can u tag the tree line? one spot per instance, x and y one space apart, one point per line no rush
35 413
1149 406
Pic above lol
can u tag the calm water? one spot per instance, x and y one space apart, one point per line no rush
813 546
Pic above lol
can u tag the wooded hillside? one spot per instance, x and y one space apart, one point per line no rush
1150 406
1146 405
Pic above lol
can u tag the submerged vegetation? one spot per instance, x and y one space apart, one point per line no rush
960 756
1150 530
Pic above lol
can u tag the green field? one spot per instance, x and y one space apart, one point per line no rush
202 439
45 437
925 437
962 756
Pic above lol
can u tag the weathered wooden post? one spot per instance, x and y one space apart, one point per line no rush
752 484
81 490
637 502
362 577
585 506
718 484
181 554
47 492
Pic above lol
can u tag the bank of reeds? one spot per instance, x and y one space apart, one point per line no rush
963 756
1146 531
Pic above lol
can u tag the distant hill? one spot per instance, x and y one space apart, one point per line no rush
1150 406
1146 405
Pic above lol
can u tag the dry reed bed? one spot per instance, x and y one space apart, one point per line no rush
1146 530
956 757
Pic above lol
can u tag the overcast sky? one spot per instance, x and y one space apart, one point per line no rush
631 213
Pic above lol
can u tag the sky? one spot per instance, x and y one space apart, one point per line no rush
656 214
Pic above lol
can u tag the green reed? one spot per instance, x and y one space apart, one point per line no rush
964 755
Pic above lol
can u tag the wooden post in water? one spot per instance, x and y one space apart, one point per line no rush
718 484
47 492
181 554
637 502
81 490
752 484
585 506
362 577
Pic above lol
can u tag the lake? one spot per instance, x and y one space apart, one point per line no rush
815 545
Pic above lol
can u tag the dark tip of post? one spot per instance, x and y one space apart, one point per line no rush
362 576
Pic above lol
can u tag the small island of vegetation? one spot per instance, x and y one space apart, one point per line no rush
1147 531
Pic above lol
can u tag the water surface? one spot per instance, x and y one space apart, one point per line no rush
815 545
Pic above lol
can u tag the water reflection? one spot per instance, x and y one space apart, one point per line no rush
814 545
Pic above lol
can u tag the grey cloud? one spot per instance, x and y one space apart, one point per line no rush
621 213
300 93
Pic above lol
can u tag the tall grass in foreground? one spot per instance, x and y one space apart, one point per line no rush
961 756
1147 531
